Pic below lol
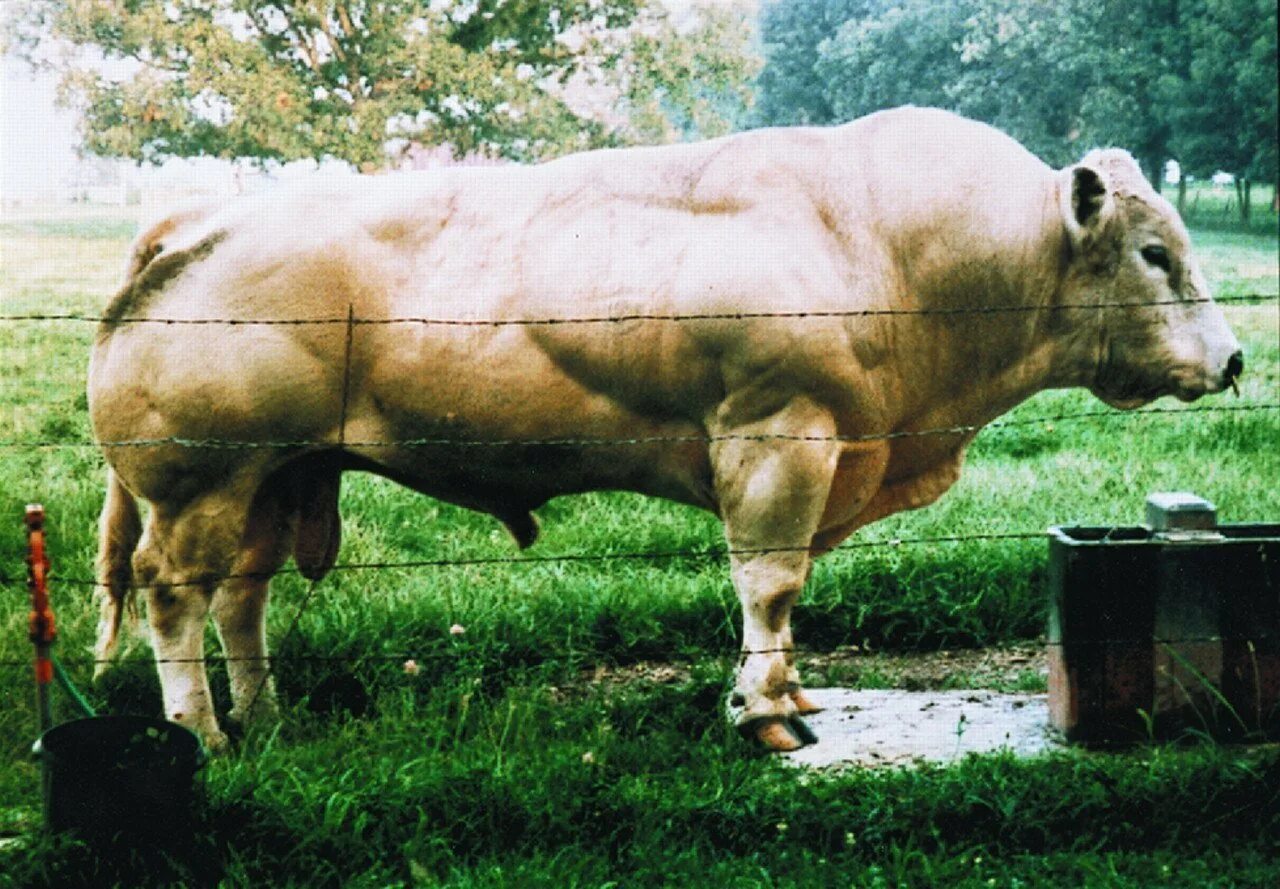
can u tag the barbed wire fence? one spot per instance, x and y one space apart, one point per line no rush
353 323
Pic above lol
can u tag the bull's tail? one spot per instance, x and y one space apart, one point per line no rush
119 528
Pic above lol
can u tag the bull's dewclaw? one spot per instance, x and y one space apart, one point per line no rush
848 281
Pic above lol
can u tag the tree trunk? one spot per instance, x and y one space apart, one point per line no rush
1245 201
1155 171
1182 192
1275 196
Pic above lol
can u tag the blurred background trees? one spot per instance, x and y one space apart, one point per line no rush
1177 80
367 82
360 80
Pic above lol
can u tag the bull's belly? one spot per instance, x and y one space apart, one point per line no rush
500 472
874 483
485 418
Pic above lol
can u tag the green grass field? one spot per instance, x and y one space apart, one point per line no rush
474 771
1209 206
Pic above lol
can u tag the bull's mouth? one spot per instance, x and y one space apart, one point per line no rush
1131 397
1136 398
1186 385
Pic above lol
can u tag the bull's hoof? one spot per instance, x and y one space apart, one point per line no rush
802 731
779 734
775 735
216 743
804 705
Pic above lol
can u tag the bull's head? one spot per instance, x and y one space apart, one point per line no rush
1154 329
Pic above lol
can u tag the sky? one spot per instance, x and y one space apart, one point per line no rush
37 139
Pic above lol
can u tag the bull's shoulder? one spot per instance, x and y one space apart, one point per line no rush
719 176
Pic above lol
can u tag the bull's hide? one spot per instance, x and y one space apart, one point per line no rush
756 325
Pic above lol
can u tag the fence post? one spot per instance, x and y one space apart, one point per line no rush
40 622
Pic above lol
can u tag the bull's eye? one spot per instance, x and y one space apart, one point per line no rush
1156 255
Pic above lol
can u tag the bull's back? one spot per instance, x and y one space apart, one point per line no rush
580 264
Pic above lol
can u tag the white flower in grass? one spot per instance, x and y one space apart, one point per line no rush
457 630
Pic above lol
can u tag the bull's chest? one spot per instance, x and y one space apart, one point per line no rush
876 479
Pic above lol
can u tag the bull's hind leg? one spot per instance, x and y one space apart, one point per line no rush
772 493
240 605
182 555
295 510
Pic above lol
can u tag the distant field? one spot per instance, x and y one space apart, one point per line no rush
1218 207
472 772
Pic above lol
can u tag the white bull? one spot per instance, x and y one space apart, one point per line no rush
774 314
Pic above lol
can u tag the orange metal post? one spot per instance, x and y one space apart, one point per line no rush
40 622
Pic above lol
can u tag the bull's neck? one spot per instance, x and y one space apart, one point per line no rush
986 337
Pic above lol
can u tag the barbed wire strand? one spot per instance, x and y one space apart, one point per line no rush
849 651
624 317
714 552
962 429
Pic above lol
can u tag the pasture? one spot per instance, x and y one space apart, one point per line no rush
571 733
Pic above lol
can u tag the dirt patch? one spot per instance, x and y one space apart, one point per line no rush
899 728
1021 667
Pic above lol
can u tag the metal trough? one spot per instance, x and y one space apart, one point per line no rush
1164 629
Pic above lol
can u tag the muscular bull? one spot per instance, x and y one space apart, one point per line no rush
762 310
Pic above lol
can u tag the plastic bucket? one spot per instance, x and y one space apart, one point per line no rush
120 775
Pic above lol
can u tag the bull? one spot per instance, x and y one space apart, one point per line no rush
757 325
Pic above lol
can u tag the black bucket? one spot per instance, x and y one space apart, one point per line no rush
131 776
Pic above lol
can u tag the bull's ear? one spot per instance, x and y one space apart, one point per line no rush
1087 204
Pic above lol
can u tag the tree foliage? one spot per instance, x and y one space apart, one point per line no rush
359 79
789 90
1228 118
1164 78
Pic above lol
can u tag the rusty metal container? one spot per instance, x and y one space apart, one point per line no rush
1165 629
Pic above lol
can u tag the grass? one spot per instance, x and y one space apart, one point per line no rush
1217 207
472 772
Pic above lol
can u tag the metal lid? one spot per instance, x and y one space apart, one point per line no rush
1180 511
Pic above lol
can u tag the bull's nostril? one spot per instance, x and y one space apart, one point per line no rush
1235 366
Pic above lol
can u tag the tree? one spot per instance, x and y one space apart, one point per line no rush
1227 116
1135 53
1022 69
789 89
1163 78
903 54
279 80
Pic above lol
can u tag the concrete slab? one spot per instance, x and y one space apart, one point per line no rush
895 728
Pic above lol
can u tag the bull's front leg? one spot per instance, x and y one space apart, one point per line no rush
772 493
